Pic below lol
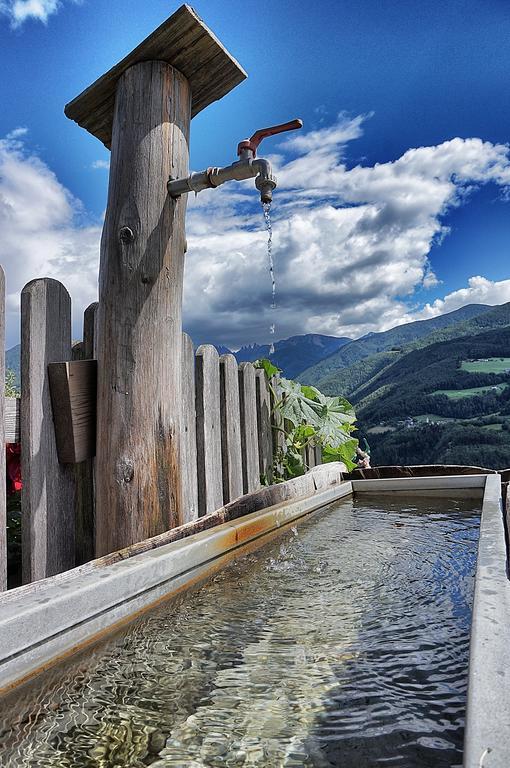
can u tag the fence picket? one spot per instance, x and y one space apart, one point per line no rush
47 499
265 438
207 382
249 437
230 429
188 434
277 428
85 528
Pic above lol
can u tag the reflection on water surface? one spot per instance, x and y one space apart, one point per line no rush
342 643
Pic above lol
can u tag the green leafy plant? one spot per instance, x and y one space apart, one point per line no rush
304 417
11 386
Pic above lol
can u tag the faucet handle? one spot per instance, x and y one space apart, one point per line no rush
253 142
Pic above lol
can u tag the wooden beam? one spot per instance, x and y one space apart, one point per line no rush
184 42
73 396
47 498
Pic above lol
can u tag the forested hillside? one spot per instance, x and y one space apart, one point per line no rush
394 339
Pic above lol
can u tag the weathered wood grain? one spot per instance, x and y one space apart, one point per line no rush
138 466
264 429
85 527
207 382
188 433
249 436
183 41
230 429
277 428
47 499
318 455
11 419
73 397
3 496
309 457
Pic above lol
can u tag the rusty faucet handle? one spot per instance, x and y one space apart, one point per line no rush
253 142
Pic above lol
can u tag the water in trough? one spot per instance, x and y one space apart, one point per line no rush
344 642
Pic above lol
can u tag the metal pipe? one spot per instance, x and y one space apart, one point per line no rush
246 168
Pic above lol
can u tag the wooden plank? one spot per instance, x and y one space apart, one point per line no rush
309 457
264 430
207 382
11 419
85 515
73 396
3 494
318 455
230 429
277 428
249 436
188 433
184 42
47 499
138 466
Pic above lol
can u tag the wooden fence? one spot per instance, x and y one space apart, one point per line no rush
227 438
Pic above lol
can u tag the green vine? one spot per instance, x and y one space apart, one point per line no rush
303 417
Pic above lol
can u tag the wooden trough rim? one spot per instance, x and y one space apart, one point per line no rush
184 42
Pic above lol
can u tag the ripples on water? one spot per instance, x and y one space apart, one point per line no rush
342 643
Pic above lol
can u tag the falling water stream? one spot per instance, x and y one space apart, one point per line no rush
269 228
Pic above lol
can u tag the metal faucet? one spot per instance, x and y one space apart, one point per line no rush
247 167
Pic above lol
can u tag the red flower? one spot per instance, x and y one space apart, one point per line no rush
14 483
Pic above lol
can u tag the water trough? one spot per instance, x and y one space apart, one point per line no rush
42 623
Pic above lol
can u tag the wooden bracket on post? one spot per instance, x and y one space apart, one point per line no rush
73 399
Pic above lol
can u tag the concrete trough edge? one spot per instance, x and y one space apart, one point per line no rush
70 611
440 484
487 731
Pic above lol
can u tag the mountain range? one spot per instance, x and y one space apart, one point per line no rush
429 393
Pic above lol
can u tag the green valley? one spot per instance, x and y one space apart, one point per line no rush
441 397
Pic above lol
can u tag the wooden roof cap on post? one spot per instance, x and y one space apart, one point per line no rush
183 41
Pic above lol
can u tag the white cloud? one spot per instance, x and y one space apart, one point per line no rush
351 245
20 11
102 165
40 234
478 291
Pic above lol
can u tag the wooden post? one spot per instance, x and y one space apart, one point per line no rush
207 378
141 108
138 468
3 499
84 471
264 430
188 433
230 429
47 499
249 437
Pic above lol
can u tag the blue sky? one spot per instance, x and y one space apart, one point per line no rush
392 203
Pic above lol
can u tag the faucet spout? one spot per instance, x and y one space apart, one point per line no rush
248 166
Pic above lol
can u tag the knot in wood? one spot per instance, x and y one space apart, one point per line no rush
124 471
126 234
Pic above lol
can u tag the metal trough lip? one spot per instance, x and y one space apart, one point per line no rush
61 614
53 618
